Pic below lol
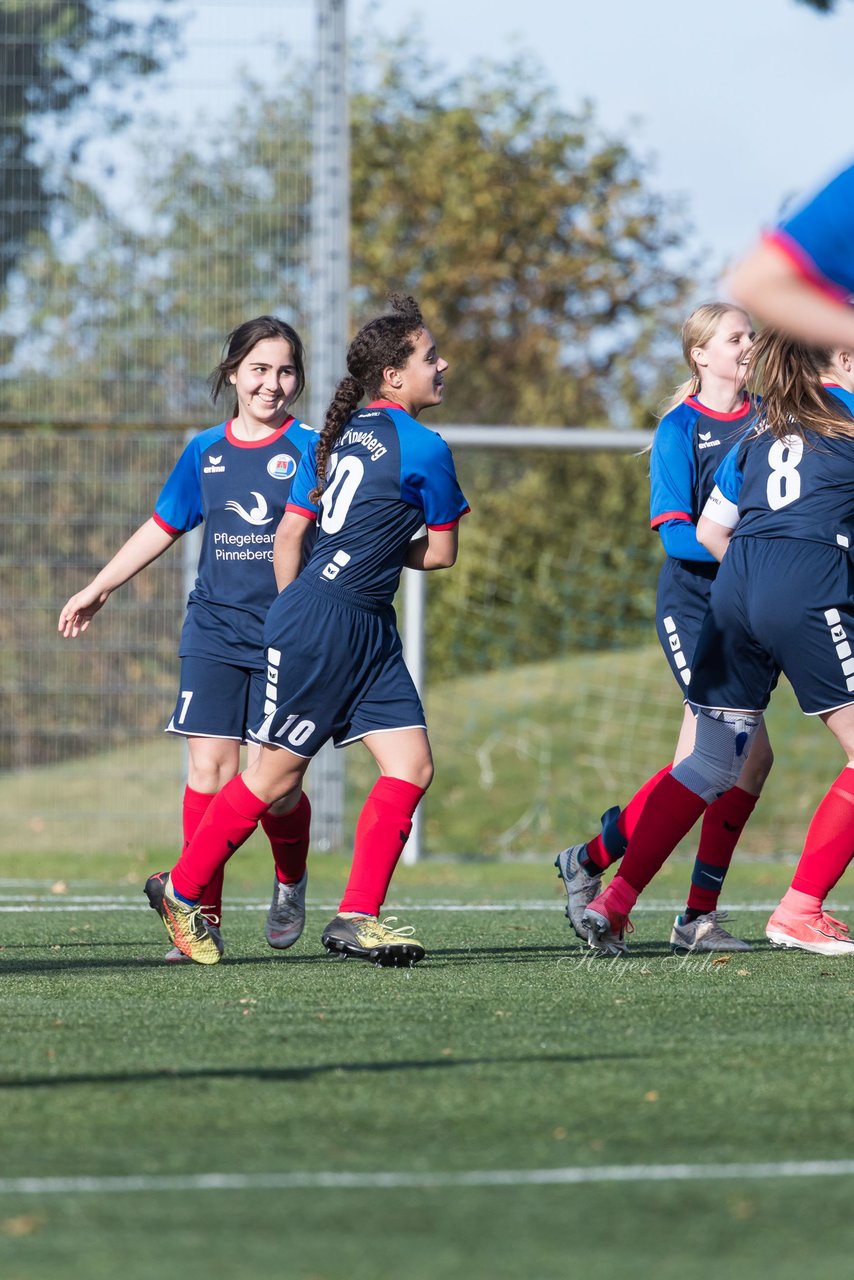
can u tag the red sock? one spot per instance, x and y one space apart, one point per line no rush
829 845
230 819
288 835
723 823
194 808
669 814
626 822
381 832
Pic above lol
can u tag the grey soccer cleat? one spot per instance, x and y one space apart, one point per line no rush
606 930
286 917
706 933
580 887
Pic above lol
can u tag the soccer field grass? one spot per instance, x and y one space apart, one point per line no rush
505 1109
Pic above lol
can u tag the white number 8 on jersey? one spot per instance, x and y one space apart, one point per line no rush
784 482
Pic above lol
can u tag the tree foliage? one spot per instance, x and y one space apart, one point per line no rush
132 318
52 54
553 276
551 272
535 244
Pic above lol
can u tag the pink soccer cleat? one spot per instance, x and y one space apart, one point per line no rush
816 932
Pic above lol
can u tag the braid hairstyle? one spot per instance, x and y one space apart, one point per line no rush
240 342
386 342
788 376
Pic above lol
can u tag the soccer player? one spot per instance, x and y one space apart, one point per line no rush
703 419
335 666
800 275
236 478
782 511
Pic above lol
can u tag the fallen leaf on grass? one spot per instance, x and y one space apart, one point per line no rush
23 1225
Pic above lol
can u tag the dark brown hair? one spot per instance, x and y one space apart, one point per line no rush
240 342
384 343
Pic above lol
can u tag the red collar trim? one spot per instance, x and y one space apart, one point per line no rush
385 404
257 444
740 412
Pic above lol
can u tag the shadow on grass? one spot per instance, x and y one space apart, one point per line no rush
571 951
438 958
278 1074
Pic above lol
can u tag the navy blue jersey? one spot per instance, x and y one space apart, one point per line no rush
818 238
688 445
239 488
789 488
387 477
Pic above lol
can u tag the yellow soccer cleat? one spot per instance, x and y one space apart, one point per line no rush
368 938
184 923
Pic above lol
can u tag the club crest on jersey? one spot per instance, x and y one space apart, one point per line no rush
256 515
214 467
282 467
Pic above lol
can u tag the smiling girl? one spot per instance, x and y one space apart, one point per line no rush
236 478
382 492
702 420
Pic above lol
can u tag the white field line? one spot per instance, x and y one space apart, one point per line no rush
329 1181
13 903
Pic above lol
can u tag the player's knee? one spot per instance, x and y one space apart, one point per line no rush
423 774
757 766
721 748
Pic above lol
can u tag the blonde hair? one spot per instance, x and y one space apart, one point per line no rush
699 328
787 374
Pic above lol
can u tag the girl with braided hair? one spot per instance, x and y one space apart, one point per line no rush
335 669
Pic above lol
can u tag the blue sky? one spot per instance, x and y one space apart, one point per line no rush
740 103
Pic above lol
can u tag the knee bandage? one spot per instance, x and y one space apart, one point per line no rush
721 747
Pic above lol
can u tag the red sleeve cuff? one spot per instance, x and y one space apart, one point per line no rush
163 525
803 264
669 515
301 511
452 524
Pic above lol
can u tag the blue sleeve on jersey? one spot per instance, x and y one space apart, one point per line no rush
305 479
179 506
729 476
846 397
823 230
301 435
672 470
428 478
679 539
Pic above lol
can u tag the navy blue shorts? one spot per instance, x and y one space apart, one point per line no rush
778 604
335 670
217 700
681 603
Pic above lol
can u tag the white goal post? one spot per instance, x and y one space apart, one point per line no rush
468 436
